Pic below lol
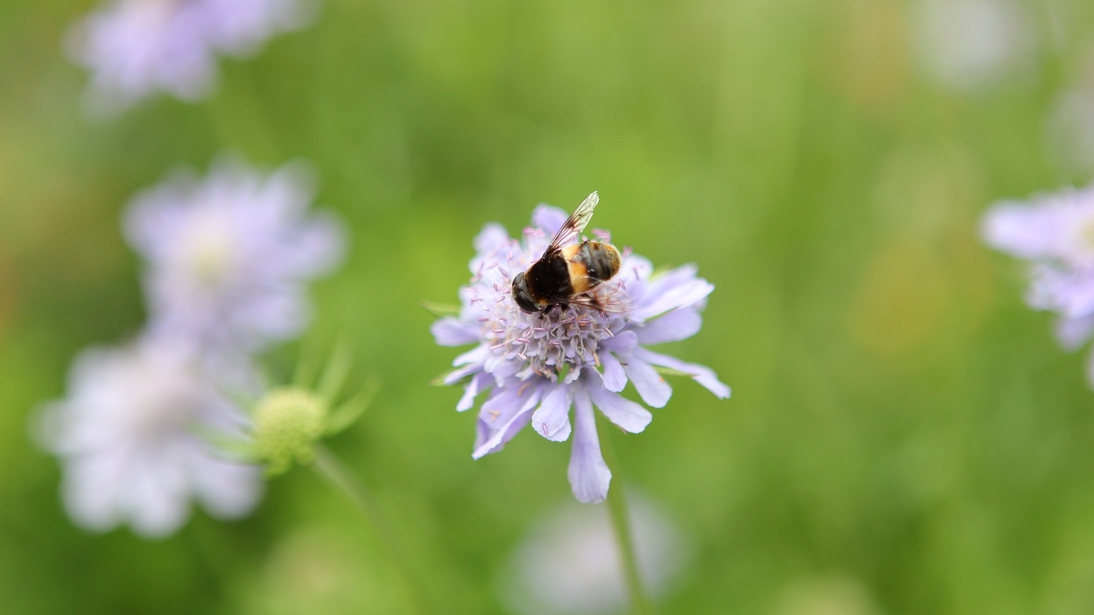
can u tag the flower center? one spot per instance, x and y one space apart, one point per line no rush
160 400
549 344
209 253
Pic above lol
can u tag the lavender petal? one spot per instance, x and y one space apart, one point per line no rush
703 375
589 475
650 385
629 416
552 419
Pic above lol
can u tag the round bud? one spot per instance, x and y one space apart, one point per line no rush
287 424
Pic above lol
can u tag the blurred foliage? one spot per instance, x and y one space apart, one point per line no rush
905 435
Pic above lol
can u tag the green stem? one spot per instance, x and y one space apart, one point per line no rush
624 537
331 469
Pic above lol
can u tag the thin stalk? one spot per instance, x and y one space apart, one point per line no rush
331 469
621 523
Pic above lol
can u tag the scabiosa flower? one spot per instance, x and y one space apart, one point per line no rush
132 435
228 257
536 366
569 563
968 45
1056 233
134 48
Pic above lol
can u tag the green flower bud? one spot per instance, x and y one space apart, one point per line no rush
287 424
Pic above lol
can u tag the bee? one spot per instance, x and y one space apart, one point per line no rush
566 273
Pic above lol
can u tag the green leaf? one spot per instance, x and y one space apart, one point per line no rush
346 414
334 376
439 310
668 371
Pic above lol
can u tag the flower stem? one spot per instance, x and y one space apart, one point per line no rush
331 469
624 537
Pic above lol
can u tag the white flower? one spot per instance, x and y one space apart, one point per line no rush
134 48
971 44
229 257
129 435
570 563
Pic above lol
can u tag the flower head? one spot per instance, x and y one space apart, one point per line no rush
287 424
228 257
1056 234
967 45
536 366
569 563
130 435
134 48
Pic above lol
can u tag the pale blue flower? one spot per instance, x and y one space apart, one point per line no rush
135 48
535 368
1055 232
229 257
132 439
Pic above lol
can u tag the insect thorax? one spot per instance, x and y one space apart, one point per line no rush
549 280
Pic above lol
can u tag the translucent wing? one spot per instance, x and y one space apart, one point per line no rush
574 224
607 300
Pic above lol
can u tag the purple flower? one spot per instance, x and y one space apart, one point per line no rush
134 48
1056 234
129 435
536 367
228 257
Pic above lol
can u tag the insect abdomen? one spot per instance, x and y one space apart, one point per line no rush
591 263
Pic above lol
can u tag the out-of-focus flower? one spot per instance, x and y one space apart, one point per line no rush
1070 129
967 45
537 366
135 48
1056 233
228 257
131 436
570 563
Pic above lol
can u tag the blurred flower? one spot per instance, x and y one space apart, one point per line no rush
570 562
539 365
228 257
135 47
1070 126
970 44
1056 233
130 437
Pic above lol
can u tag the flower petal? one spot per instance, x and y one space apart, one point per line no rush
449 331
492 236
672 327
552 419
650 385
1020 230
548 219
628 415
589 475
615 378
478 382
1074 332
676 289
502 417
622 342
703 375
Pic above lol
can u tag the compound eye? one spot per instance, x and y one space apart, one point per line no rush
521 296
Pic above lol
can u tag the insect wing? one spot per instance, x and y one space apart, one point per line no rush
607 300
575 223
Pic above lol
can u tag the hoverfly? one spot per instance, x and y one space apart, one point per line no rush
566 273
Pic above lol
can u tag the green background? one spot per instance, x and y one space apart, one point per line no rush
905 435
